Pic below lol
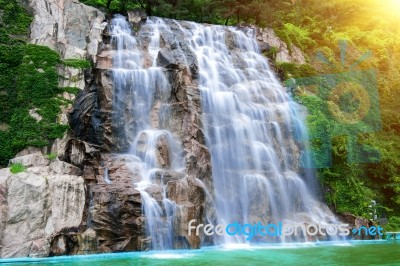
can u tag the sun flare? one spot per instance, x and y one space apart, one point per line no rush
392 6
392 3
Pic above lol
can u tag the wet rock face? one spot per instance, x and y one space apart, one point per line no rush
181 70
116 210
90 118
116 217
191 196
137 16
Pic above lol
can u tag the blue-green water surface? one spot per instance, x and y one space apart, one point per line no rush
323 253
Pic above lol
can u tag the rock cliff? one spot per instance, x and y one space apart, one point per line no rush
42 210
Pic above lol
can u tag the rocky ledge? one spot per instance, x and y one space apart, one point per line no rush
38 205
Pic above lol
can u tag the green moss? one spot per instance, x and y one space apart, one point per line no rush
17 168
51 156
72 90
291 70
283 35
77 63
271 53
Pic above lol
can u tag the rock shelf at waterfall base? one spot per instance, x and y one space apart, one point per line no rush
182 143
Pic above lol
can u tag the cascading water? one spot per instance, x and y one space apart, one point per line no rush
136 76
253 128
106 176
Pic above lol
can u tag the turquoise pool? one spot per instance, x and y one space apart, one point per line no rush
324 253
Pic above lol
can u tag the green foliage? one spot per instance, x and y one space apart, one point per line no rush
77 63
14 20
72 90
289 70
366 26
296 35
226 12
349 191
393 224
346 186
51 156
28 81
17 168
271 53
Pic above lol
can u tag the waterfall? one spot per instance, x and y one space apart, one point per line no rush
138 83
254 131
106 176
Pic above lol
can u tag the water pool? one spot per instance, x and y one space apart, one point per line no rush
324 253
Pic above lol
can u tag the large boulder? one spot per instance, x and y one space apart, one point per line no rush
356 222
191 197
268 39
67 26
136 16
37 204
116 216
34 159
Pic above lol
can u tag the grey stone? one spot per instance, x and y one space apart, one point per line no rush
34 159
34 206
66 26
268 38
137 15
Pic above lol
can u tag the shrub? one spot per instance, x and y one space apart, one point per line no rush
271 53
393 224
51 156
77 63
72 90
292 34
17 168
